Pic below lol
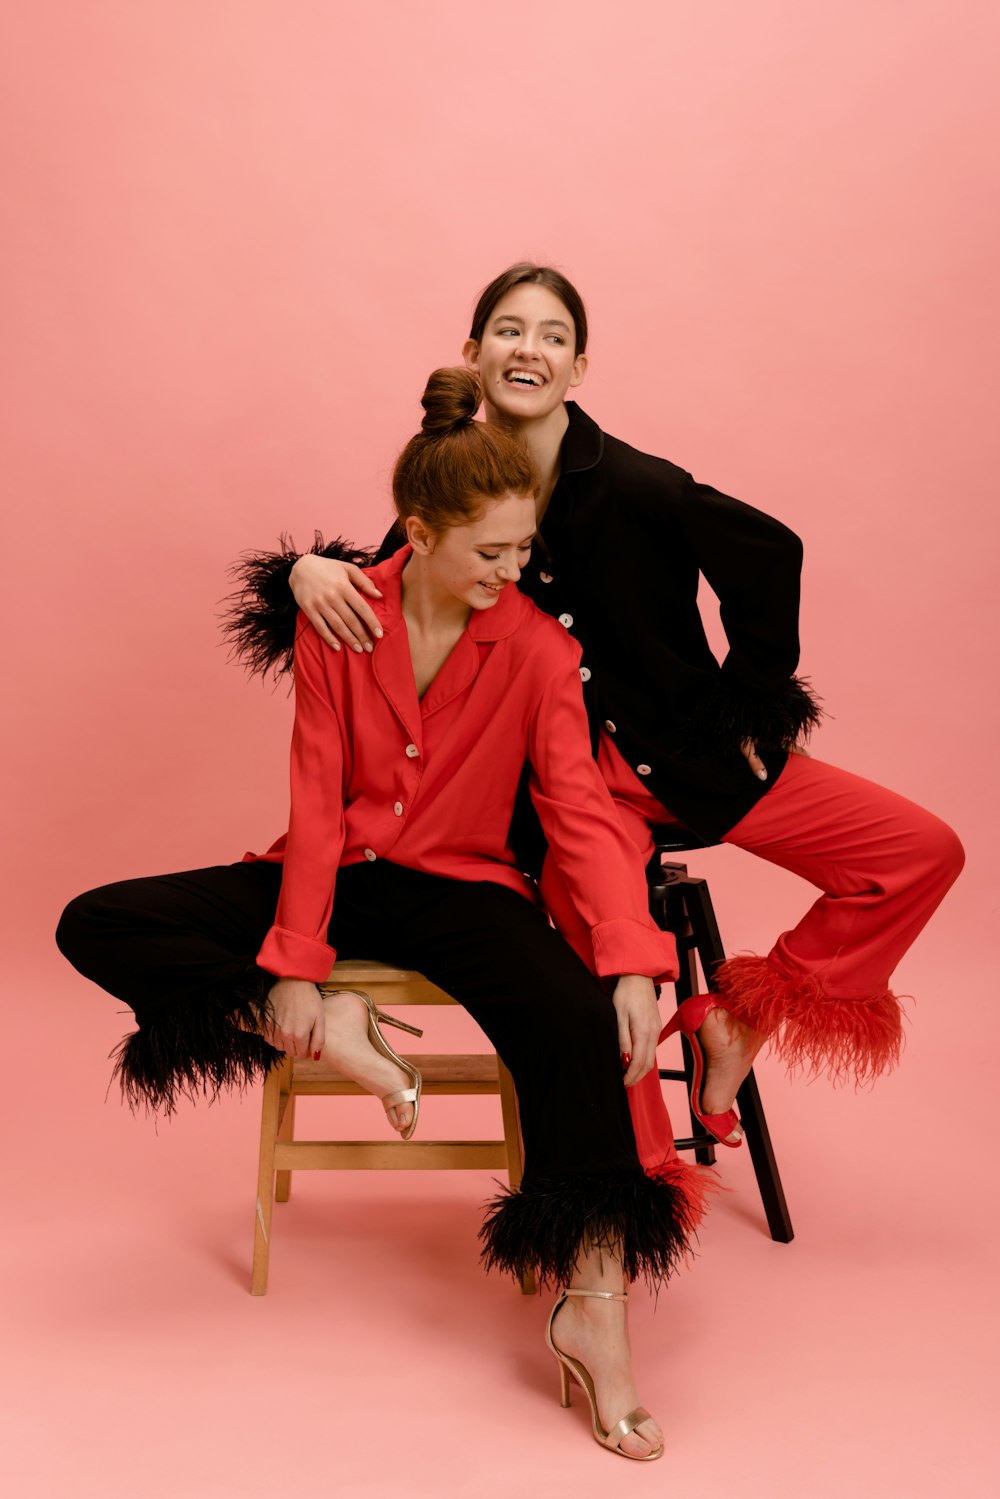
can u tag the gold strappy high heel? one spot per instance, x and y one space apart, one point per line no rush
375 1036
568 1366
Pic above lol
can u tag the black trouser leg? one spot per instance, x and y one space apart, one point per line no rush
180 950
153 941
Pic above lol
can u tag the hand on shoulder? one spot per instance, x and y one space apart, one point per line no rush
332 596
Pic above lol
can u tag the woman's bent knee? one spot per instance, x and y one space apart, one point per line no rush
955 854
944 853
86 928
75 931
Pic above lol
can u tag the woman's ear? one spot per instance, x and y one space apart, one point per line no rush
579 369
470 353
421 539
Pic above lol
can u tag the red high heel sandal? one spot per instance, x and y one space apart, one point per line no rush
726 1128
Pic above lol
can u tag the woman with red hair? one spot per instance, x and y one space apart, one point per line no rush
406 763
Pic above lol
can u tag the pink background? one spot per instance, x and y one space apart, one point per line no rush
236 237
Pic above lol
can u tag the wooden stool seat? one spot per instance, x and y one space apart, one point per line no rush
443 1073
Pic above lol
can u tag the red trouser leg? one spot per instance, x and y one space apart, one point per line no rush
883 865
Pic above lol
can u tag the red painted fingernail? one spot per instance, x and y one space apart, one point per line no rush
626 1058
317 1055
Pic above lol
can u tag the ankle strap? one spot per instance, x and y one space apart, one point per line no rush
602 1295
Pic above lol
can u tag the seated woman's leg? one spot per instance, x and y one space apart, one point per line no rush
179 950
883 865
586 1213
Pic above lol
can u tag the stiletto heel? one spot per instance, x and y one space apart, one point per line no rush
572 1367
690 1016
381 1045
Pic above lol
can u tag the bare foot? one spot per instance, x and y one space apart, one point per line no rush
729 1047
348 1048
596 1333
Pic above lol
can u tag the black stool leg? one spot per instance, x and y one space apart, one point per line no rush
675 920
681 904
701 915
758 1138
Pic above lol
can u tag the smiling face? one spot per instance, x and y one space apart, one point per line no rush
526 360
474 563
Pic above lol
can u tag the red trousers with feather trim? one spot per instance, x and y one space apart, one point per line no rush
822 993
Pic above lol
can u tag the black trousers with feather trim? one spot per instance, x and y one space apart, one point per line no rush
179 950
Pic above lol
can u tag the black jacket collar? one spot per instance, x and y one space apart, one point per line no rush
583 443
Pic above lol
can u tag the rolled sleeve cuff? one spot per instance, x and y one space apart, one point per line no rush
290 955
629 946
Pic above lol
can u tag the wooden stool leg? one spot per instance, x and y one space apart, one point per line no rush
515 1149
283 1179
270 1114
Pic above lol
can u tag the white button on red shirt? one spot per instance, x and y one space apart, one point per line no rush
370 855
411 751
566 619
584 673
397 807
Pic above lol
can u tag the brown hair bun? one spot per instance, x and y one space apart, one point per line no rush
454 464
451 399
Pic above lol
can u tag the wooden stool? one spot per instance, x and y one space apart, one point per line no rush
281 1153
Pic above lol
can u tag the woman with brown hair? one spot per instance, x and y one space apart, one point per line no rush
405 766
623 539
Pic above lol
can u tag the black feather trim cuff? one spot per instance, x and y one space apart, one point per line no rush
197 1046
727 713
646 1221
258 620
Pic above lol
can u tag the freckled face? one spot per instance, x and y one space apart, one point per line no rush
526 360
476 562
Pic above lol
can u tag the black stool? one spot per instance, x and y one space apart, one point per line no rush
680 904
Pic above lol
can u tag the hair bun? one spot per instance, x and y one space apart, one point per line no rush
451 399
